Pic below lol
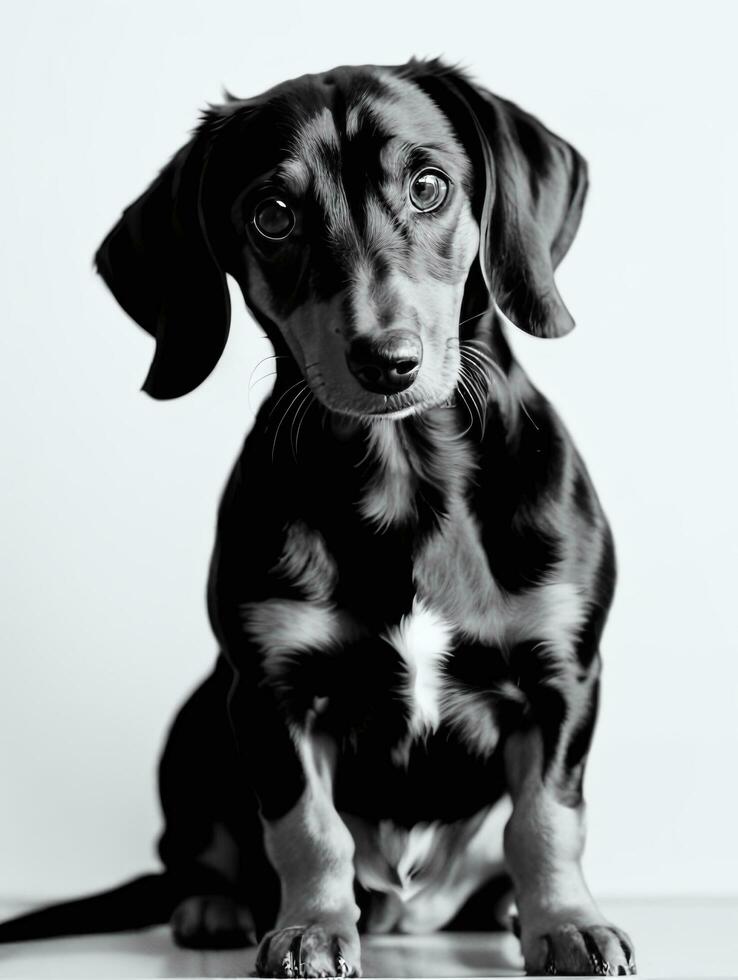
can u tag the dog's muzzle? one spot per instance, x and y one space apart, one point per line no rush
387 364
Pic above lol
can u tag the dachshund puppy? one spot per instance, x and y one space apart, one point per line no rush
412 570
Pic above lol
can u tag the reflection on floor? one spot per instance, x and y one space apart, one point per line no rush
674 938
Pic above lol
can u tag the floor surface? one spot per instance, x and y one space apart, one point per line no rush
673 938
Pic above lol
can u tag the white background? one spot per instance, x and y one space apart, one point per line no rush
108 498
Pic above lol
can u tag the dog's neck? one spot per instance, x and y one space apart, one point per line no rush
410 471
413 468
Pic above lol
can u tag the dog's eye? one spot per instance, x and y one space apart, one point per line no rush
428 190
274 219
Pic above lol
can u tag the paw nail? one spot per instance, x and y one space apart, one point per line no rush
288 964
342 965
600 966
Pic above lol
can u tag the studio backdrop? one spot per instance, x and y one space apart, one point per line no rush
109 498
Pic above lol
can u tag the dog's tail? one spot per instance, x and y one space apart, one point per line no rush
145 901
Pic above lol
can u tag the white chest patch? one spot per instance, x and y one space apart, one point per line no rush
423 639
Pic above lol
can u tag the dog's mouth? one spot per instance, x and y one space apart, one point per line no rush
415 409
371 407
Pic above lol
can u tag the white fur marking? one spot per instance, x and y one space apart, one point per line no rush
423 640
415 847
552 613
284 627
429 869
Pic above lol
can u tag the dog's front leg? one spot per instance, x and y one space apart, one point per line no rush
306 841
562 931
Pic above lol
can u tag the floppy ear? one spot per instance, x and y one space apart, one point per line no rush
158 263
531 201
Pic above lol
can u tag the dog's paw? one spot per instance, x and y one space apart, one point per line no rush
212 922
581 951
309 951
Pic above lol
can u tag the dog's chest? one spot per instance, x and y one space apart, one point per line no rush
427 643
408 673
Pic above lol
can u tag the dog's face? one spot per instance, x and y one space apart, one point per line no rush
354 209
358 242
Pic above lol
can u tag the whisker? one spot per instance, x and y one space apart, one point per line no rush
470 405
476 316
479 401
256 367
480 351
461 390
466 375
484 365
311 401
473 352
284 394
481 346
269 357
284 416
480 380
293 443
271 374
483 386
528 415
478 372
482 356
468 401
487 363
476 403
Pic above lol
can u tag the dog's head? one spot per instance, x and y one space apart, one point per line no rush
355 209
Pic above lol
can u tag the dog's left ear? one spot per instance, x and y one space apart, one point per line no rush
531 201
158 263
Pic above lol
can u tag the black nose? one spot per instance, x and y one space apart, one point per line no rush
386 364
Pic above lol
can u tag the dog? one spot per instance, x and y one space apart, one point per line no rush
412 570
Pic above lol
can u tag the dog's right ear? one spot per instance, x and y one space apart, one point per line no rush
158 263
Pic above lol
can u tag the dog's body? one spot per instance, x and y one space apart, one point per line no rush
412 570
